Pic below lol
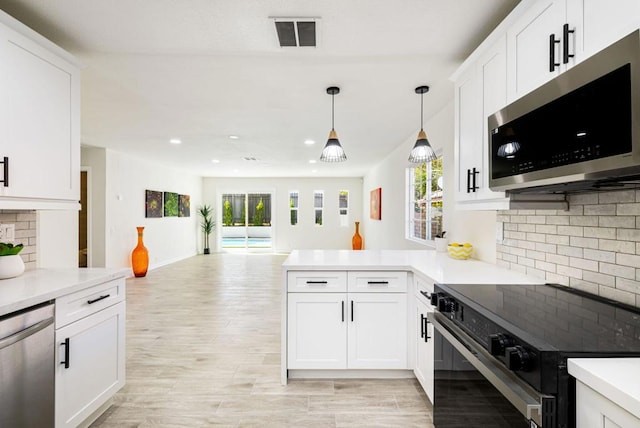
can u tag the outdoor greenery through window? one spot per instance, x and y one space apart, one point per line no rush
425 201
318 204
343 207
293 207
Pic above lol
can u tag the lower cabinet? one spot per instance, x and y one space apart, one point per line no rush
362 328
90 364
594 410
347 331
424 349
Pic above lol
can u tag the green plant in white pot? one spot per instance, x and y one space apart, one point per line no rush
11 264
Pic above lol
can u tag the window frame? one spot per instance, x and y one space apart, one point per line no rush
294 208
410 204
318 208
343 218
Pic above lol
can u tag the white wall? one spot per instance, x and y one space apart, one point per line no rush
57 239
477 227
305 235
94 160
126 179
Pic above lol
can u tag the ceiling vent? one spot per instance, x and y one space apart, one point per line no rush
296 32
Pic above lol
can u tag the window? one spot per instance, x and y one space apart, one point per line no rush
293 207
424 196
343 207
318 204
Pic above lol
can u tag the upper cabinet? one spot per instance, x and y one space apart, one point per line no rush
538 41
479 91
39 122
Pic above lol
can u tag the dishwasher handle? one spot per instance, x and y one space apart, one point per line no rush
23 334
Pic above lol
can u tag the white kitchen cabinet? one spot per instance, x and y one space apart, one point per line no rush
377 331
530 49
364 328
603 22
90 352
479 92
424 349
40 121
594 410
316 331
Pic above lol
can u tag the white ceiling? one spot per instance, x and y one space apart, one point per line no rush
201 70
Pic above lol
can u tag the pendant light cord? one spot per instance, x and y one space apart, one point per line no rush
421 111
332 113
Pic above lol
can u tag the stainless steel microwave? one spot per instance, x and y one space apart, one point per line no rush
578 132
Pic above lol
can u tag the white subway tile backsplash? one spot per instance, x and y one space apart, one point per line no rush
600 209
576 241
628 209
25 233
617 246
583 264
594 246
616 197
601 256
617 270
617 221
600 232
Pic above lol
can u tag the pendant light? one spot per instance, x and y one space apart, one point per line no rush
422 151
333 151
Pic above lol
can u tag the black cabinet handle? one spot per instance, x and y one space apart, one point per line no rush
66 353
343 311
317 282
378 282
97 299
552 53
426 330
352 311
5 177
474 174
468 180
425 294
565 44
422 325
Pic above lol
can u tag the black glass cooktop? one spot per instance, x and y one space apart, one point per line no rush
554 317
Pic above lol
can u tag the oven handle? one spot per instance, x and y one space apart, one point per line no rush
523 397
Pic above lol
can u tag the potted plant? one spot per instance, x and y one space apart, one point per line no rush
11 264
207 224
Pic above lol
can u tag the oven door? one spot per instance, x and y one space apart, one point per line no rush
473 389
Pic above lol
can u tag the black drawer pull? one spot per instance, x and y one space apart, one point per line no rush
378 282
317 282
422 325
5 177
66 353
425 294
97 299
565 43
426 330
552 53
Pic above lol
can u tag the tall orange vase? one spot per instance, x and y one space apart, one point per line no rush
140 257
356 241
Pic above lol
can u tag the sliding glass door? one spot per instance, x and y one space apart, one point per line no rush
246 221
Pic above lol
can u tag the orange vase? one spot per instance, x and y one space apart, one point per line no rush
140 256
356 241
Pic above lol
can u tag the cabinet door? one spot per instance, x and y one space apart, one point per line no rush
39 114
528 47
424 349
604 23
594 410
377 331
493 82
316 331
94 368
468 137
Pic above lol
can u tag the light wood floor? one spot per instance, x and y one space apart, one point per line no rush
203 349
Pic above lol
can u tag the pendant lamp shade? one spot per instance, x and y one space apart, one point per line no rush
333 151
422 151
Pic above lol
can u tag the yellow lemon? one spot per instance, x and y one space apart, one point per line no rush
466 244
454 244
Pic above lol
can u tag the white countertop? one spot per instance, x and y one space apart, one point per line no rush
40 285
437 266
614 378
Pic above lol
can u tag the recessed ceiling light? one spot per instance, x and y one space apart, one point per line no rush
314 170
215 160
309 142
175 141
312 161
235 170
233 137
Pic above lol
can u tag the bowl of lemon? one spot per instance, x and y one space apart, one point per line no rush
459 251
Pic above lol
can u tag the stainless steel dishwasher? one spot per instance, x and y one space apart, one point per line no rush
27 368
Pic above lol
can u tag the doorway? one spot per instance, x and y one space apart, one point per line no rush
83 222
246 221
